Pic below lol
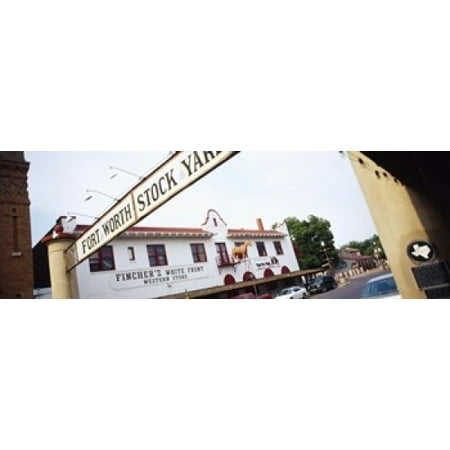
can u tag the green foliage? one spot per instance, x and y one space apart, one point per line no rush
308 236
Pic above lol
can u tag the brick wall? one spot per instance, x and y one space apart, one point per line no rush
16 265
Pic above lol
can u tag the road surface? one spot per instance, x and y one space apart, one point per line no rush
353 288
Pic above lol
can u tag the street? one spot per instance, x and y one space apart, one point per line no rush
353 289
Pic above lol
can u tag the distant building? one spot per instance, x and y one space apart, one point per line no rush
149 262
16 267
351 258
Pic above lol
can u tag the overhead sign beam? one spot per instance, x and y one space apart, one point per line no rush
170 178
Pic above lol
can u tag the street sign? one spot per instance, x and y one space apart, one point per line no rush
421 251
170 178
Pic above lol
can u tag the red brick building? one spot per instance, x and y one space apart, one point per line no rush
16 264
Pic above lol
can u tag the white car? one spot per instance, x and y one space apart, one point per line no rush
383 286
294 292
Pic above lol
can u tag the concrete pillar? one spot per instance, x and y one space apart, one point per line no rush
62 281
401 215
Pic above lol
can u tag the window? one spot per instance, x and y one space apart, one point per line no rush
157 255
222 254
261 246
131 255
198 253
278 248
102 260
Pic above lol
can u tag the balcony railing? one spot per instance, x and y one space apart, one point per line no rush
226 261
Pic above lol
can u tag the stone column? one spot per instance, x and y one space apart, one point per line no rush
63 282
401 215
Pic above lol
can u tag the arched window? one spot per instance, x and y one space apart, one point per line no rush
285 270
268 273
229 279
248 276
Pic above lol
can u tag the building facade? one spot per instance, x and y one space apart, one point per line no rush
16 266
210 261
351 258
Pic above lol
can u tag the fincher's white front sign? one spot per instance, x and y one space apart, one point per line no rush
169 179
156 276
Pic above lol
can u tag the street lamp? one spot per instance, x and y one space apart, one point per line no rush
90 191
140 177
114 175
377 253
72 216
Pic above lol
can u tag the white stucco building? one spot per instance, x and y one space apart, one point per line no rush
149 262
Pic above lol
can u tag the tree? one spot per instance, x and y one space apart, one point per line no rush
308 235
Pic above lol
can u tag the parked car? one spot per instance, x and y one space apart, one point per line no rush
322 284
294 292
383 286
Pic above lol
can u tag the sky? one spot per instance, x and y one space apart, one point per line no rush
267 185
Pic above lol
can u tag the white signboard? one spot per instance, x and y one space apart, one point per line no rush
169 179
155 276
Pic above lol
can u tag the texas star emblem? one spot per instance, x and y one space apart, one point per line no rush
421 251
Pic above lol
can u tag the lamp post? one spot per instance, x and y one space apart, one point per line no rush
325 251
90 191
114 175
72 215
377 253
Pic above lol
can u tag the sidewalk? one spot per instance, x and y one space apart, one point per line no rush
374 272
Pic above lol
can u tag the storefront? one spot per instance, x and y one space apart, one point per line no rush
212 261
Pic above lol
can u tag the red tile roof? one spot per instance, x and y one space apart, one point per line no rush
254 233
200 232
157 231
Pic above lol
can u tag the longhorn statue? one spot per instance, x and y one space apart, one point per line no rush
241 251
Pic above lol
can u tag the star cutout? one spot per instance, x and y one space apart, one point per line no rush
422 251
